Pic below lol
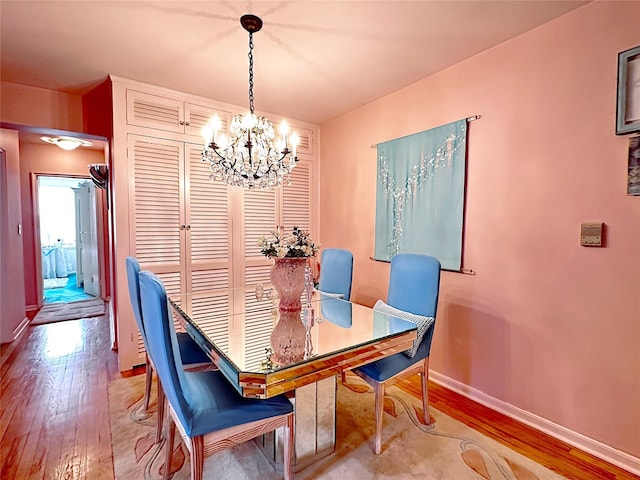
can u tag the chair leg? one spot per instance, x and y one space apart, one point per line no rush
169 453
424 377
343 374
161 402
379 406
147 384
197 457
288 447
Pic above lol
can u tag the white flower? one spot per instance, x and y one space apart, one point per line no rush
292 240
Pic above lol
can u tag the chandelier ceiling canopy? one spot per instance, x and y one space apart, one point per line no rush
251 157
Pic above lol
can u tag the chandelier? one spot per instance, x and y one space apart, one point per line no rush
251 157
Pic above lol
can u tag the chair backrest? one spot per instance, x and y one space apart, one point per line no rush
336 272
414 284
133 269
162 342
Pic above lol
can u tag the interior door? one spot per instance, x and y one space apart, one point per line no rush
88 228
78 194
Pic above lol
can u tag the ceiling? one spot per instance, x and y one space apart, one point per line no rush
314 59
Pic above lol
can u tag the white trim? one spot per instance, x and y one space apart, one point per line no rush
20 328
609 454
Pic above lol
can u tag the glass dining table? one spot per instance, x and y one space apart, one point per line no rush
237 329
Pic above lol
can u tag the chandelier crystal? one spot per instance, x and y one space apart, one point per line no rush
251 157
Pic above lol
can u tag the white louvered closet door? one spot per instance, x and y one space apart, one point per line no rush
296 198
208 246
157 211
260 216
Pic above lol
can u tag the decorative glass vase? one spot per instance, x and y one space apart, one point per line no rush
288 339
289 334
287 276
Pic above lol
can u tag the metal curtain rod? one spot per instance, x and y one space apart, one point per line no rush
466 271
468 119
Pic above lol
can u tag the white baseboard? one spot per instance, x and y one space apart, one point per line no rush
20 328
597 449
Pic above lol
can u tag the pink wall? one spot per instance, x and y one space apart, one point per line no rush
45 159
545 325
40 107
12 311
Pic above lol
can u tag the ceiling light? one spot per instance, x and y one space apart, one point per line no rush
66 143
249 158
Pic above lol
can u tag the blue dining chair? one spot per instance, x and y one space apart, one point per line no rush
207 410
414 285
336 272
190 352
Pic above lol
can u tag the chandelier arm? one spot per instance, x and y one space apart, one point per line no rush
271 167
225 161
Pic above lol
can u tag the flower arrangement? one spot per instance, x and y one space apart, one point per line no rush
298 243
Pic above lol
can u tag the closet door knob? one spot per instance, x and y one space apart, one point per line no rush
188 227
182 227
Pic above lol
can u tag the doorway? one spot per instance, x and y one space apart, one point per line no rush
68 234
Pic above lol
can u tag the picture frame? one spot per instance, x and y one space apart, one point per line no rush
633 178
628 98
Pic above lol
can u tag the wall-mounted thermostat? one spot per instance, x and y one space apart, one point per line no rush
591 234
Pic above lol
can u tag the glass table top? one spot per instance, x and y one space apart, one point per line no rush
256 345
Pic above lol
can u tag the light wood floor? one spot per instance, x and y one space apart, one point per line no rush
54 422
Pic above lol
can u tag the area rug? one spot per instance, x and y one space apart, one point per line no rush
56 312
444 450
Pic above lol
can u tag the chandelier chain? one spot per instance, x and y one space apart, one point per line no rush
251 72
